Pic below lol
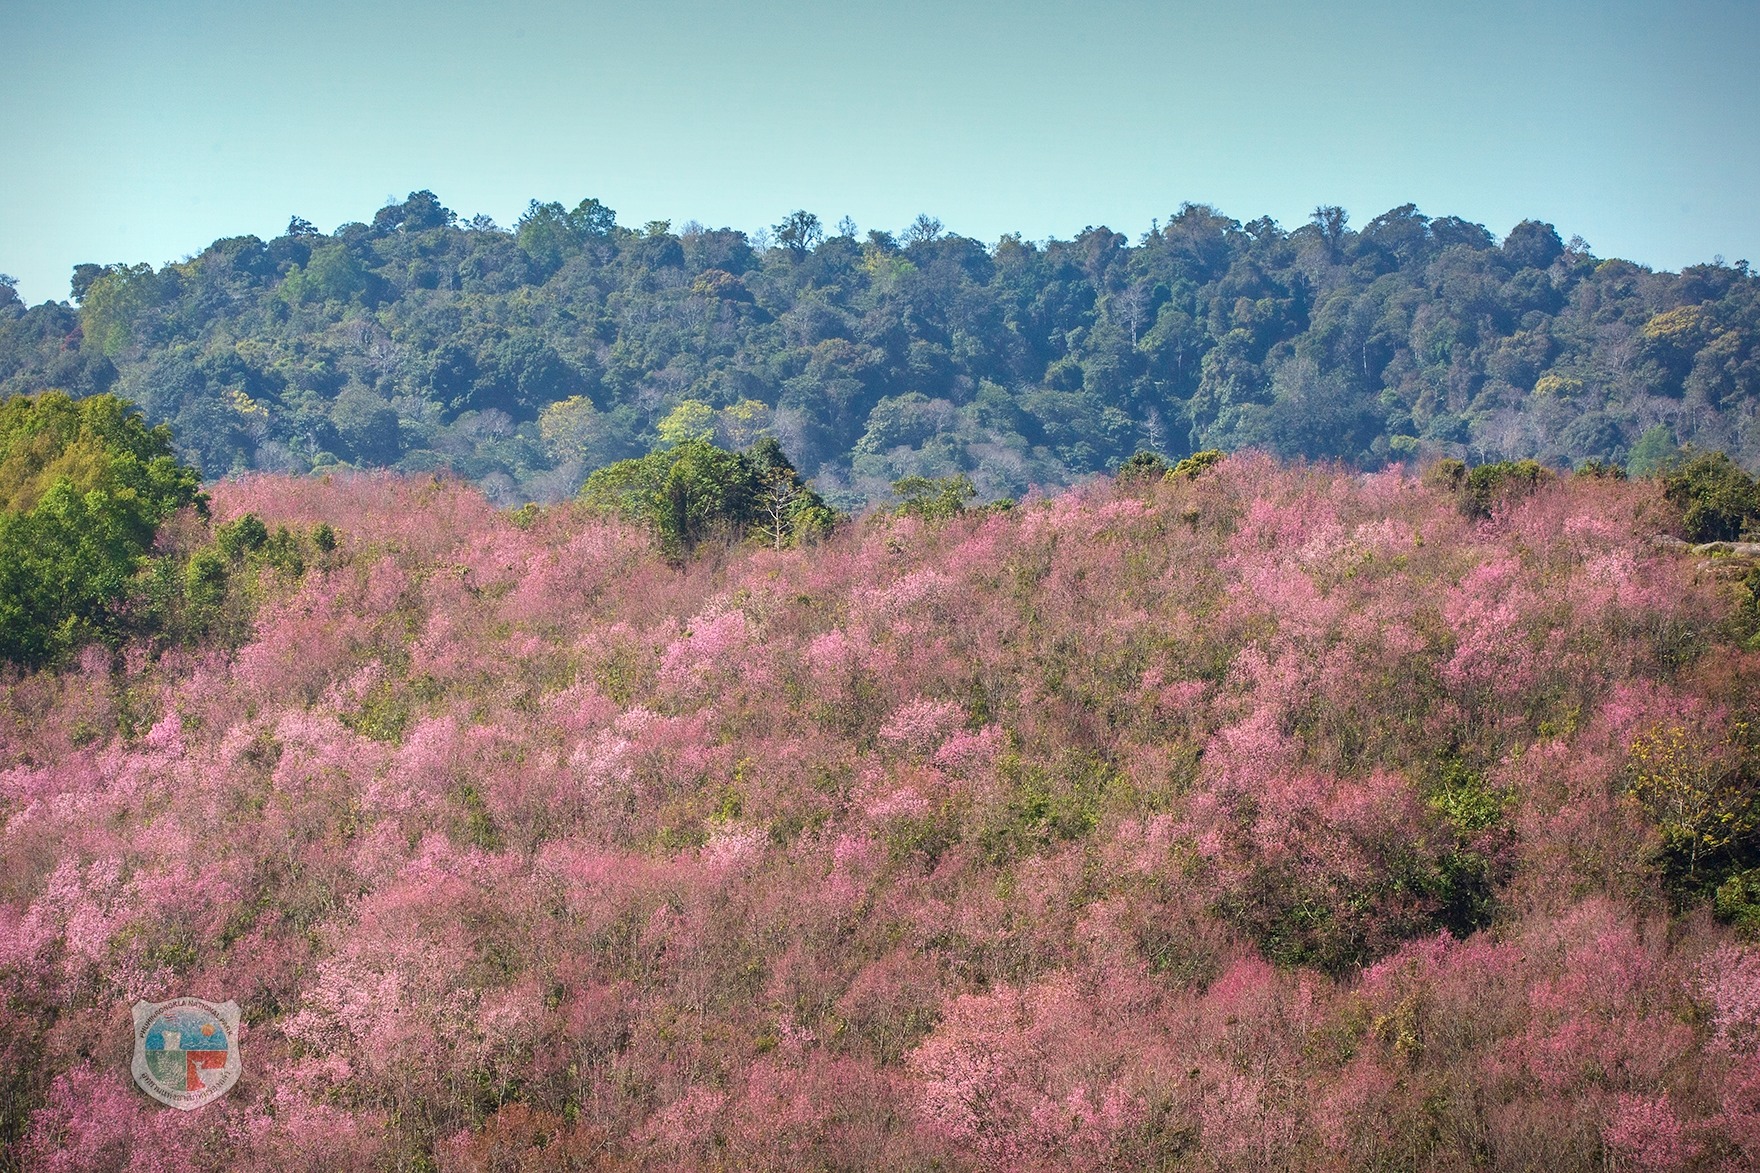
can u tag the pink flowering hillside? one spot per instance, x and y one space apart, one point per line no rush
1268 818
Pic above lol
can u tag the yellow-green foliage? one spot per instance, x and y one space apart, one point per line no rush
84 486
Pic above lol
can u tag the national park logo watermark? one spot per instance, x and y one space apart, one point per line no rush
186 1050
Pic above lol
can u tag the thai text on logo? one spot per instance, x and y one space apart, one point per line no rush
186 1050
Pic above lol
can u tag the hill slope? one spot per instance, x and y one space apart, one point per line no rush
1272 818
522 359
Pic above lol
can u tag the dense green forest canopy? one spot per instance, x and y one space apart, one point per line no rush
525 358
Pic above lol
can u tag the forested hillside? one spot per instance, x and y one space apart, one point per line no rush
524 358
1247 817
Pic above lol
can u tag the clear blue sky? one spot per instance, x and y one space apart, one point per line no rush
141 130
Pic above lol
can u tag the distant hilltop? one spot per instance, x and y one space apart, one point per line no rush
524 358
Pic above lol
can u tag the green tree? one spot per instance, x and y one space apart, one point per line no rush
1532 245
1702 798
84 486
331 273
694 491
692 419
1654 450
572 429
1331 220
1491 485
545 235
419 213
550 234
799 232
789 511
1143 466
113 302
685 494
934 498
741 424
1197 464
367 423
1718 501
592 218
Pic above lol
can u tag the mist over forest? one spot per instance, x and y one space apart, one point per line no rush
524 358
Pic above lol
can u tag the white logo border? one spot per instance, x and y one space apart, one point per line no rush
227 1013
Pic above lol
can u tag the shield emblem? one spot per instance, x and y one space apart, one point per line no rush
186 1050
